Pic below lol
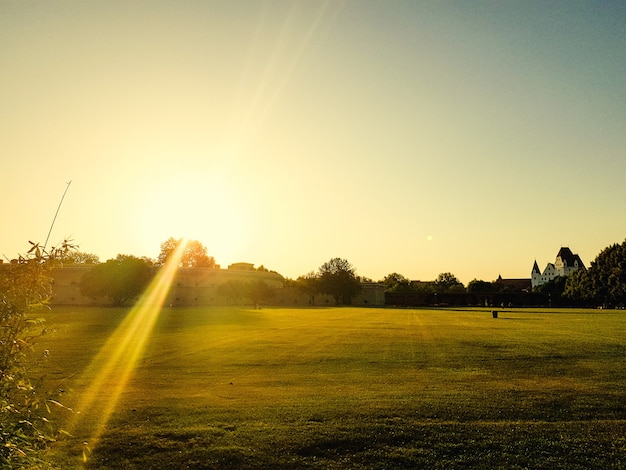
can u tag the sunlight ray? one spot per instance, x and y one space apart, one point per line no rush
114 364
272 81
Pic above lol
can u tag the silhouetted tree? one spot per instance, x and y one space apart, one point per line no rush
604 283
476 286
120 279
395 282
194 255
309 284
424 287
338 279
447 282
555 287
80 257
579 288
259 292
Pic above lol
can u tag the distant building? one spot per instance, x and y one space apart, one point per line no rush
241 267
513 285
565 264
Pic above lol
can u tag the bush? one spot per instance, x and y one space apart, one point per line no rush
24 289
120 280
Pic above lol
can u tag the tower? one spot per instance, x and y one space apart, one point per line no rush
535 275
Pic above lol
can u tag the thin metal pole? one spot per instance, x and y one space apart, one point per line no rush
57 213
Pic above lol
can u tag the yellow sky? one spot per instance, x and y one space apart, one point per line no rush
410 137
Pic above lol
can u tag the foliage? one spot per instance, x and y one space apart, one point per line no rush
289 282
338 279
425 287
395 282
476 286
578 287
80 257
120 279
604 283
447 282
259 292
194 255
24 288
309 284
394 278
555 287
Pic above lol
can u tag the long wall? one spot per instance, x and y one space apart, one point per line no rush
199 287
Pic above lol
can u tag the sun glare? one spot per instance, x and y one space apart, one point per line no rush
113 366
211 212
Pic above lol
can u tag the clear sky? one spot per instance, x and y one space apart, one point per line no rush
406 136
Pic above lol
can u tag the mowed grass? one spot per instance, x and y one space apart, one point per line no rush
352 388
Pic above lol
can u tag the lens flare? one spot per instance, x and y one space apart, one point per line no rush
112 367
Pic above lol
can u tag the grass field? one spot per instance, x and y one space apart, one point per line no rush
347 388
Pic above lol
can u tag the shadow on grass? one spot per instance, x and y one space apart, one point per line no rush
395 444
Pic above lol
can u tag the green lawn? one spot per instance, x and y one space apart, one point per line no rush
350 388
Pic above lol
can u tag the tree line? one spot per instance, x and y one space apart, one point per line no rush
122 278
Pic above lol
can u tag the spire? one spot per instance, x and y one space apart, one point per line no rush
536 268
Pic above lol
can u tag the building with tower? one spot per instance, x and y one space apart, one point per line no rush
565 264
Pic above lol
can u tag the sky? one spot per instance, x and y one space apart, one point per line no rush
415 137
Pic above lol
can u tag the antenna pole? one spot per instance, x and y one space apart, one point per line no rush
57 213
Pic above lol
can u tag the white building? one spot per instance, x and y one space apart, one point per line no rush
565 264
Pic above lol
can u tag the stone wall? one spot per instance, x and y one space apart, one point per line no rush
191 286
199 287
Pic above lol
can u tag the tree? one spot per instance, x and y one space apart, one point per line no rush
554 290
24 288
309 284
476 286
604 282
395 282
80 257
167 248
338 279
259 292
424 287
579 289
120 279
194 255
555 287
447 282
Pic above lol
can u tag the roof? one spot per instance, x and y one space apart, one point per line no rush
536 268
241 267
566 255
569 258
521 284
581 265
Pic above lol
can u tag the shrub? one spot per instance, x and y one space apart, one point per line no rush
24 289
